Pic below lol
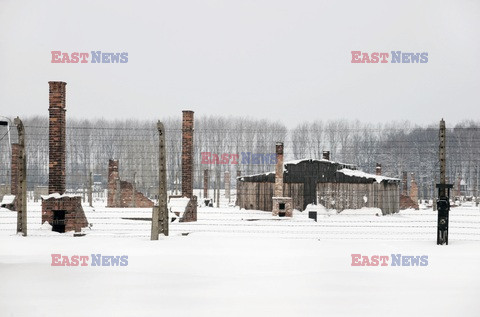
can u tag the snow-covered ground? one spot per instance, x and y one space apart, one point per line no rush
243 263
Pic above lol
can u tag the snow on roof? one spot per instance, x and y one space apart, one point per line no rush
316 160
8 199
357 173
58 196
261 174
178 204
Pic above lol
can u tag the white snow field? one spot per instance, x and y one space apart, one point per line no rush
243 263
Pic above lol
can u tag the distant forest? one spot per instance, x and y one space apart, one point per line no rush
398 146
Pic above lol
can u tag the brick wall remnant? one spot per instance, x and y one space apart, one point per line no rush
121 193
75 218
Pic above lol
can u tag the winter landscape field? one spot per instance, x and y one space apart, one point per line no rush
311 158
235 262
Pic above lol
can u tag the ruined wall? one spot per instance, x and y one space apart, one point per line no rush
75 218
120 193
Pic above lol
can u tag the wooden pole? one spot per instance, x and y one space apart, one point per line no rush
160 212
22 183
443 160
134 191
218 188
443 203
90 190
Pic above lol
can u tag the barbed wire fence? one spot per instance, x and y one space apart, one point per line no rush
90 145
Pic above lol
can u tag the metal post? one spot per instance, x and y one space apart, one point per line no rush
22 183
160 212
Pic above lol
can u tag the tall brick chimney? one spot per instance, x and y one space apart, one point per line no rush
413 189
278 192
378 169
326 155
113 178
405 183
187 154
281 206
57 137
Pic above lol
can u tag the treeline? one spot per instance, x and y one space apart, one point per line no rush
399 147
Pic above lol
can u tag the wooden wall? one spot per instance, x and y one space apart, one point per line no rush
341 196
258 195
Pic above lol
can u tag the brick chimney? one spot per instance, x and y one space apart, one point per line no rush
57 137
378 169
405 183
278 192
281 206
413 189
113 178
187 154
326 155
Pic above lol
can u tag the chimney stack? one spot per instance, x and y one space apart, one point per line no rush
187 154
405 184
279 170
113 178
326 155
378 169
57 137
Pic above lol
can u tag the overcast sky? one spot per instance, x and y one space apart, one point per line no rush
282 60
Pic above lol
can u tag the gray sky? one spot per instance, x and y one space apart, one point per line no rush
283 60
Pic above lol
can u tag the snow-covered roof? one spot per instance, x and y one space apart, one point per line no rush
253 175
58 196
294 162
356 173
178 204
8 199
